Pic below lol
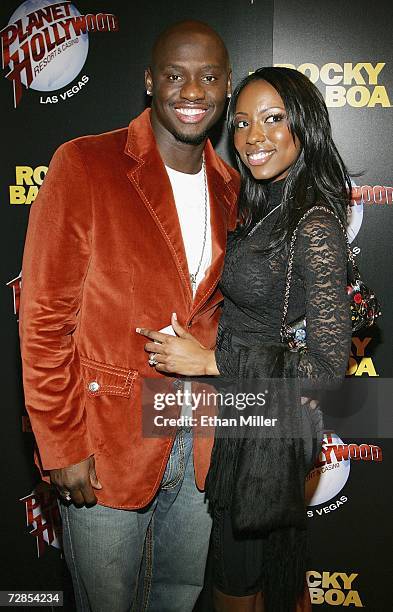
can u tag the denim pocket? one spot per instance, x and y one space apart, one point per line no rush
174 471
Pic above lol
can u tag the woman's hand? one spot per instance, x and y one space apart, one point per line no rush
180 354
311 402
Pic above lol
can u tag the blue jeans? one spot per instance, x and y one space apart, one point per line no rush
150 560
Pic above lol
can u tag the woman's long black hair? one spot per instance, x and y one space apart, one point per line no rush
318 176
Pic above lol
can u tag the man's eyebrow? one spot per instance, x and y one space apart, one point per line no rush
173 67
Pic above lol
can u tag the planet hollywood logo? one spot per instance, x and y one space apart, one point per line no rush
361 195
43 517
45 45
355 215
330 475
15 284
372 194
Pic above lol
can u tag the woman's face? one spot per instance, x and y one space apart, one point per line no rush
262 137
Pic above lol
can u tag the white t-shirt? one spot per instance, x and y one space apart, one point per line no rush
189 193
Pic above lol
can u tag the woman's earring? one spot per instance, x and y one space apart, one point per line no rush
229 96
148 92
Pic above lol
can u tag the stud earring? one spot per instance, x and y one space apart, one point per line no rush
148 92
229 96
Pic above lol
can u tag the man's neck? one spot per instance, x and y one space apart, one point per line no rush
187 159
178 155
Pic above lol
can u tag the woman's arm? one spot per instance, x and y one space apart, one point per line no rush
325 267
180 354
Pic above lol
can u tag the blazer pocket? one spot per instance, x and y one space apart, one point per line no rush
104 379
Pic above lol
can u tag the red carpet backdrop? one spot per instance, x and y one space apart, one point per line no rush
74 68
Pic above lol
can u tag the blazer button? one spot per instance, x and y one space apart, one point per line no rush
94 386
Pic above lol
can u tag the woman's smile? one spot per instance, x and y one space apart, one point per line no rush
260 157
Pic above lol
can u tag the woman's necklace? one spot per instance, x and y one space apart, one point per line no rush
263 219
269 213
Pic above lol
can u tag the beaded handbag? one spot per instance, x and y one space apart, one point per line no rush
362 301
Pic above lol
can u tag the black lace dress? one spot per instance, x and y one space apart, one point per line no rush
253 286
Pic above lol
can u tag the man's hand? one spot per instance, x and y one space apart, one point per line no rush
76 482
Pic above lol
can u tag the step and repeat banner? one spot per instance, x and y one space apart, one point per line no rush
343 48
75 68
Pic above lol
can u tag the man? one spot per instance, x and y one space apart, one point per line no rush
108 248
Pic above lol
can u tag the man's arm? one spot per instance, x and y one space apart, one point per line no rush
55 263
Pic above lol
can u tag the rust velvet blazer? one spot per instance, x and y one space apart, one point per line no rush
103 255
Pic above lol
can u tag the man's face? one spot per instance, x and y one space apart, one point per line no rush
189 82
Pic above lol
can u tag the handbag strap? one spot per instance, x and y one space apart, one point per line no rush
288 280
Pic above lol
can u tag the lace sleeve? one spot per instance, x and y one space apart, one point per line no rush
321 249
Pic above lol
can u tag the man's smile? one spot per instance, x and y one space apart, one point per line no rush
190 114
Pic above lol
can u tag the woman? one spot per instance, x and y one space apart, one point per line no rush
279 127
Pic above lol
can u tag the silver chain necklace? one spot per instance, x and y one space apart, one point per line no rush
193 276
254 229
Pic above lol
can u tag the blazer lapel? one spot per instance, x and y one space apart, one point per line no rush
151 180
